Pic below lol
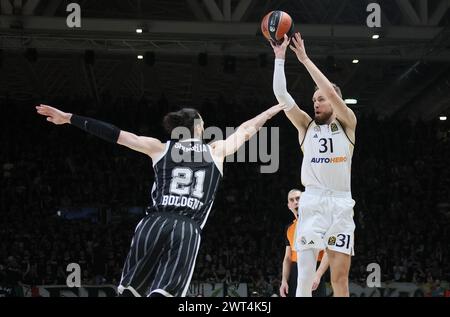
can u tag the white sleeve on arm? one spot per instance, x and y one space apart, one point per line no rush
279 85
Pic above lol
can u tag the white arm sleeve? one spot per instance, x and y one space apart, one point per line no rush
279 85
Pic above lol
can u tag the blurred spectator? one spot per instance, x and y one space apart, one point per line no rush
400 181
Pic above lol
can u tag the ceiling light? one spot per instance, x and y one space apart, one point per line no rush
351 101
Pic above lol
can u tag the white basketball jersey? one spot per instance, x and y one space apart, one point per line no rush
327 157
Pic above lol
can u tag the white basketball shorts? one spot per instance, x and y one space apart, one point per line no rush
325 221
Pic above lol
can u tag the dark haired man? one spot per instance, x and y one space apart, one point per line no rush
165 244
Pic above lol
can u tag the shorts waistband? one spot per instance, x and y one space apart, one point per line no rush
327 192
173 215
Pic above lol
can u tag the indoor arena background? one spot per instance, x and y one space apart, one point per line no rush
67 197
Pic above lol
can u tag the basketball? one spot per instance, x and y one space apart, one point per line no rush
275 25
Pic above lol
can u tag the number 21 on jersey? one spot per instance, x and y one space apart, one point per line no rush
181 183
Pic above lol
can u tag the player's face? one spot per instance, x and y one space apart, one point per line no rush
293 200
322 108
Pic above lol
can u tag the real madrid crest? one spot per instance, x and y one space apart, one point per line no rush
331 240
334 127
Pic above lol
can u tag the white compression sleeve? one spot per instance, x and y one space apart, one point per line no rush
279 85
306 267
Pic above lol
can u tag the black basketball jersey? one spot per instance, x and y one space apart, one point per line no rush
186 180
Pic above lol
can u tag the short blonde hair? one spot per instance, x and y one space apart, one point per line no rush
336 88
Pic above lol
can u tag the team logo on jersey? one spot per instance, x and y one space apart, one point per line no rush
332 240
334 127
303 241
317 128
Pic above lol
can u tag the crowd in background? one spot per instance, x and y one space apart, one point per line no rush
400 182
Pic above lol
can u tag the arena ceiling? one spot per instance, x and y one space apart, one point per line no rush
407 70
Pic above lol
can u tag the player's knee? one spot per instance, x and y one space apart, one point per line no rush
339 278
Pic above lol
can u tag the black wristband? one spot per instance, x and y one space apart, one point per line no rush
103 130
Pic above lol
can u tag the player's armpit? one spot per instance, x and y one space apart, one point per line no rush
223 148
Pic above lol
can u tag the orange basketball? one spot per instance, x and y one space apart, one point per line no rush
275 25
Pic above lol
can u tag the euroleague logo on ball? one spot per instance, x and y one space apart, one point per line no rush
275 25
